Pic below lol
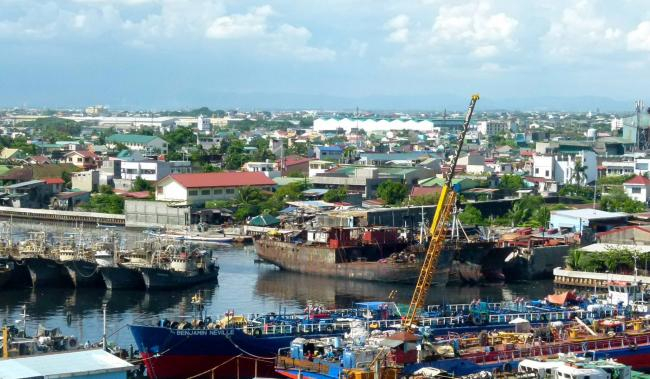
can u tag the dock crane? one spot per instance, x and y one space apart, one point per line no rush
438 228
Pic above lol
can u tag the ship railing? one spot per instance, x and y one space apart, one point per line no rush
549 349
463 307
548 316
441 321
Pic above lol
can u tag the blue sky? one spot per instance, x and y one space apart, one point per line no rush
184 53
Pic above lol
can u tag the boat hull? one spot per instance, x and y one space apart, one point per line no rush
46 272
83 273
322 260
161 279
171 353
5 276
122 278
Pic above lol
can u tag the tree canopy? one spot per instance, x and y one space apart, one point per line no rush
392 192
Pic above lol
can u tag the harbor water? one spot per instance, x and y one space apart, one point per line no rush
244 287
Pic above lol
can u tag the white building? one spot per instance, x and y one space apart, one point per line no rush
267 168
148 170
371 126
203 124
638 188
196 189
474 163
318 167
492 127
561 167
616 124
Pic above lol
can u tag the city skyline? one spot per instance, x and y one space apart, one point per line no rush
428 54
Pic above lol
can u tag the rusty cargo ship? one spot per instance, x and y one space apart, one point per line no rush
373 254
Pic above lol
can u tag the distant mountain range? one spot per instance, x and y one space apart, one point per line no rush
286 101
377 103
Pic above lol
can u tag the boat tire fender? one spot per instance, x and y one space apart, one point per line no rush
257 332
543 318
507 367
72 343
208 320
329 328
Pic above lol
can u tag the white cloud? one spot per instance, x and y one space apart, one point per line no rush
399 29
639 38
473 24
240 25
485 51
579 33
256 27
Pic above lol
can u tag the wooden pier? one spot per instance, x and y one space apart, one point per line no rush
62 216
593 279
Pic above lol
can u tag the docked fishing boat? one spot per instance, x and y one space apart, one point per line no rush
125 272
79 262
6 270
194 347
375 254
44 270
176 267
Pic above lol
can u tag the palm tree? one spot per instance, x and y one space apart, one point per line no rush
579 173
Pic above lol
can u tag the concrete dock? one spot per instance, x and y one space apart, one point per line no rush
593 279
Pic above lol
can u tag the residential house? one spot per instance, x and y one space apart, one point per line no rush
68 201
196 189
493 127
38 159
474 163
267 168
365 179
86 180
638 188
332 153
29 194
293 164
83 159
318 167
147 144
561 168
579 219
55 184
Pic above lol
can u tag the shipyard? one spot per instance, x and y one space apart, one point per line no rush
324 190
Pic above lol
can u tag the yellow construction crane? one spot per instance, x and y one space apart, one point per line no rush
438 228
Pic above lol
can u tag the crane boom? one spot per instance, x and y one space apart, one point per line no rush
438 227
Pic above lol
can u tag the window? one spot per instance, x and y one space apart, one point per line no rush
636 190
546 172
230 190
160 189
536 171
205 192
218 191
79 160
192 193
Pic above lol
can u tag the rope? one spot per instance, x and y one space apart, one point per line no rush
246 352
78 271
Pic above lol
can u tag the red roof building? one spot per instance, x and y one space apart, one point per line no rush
293 164
638 188
196 189
425 191
82 158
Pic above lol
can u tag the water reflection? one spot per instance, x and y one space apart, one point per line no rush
244 287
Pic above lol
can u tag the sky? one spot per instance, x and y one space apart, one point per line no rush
163 54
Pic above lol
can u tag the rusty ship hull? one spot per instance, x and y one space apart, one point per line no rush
327 261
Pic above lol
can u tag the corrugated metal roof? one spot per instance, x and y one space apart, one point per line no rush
57 365
131 138
222 179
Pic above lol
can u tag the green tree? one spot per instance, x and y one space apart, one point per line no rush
392 192
618 201
579 173
335 195
523 210
471 216
510 184
140 184
583 192
105 203
105 189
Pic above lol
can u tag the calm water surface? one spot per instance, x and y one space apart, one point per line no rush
244 287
